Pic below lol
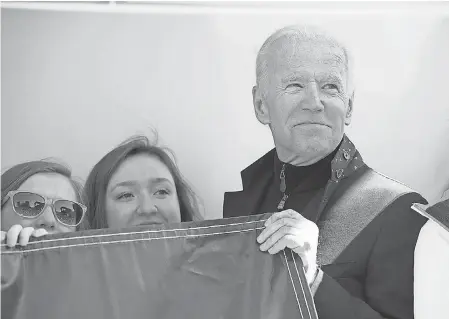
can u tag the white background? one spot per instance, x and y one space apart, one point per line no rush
75 84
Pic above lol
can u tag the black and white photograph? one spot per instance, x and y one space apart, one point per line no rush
224 159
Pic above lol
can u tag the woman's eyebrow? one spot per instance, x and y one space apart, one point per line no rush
130 183
159 180
124 183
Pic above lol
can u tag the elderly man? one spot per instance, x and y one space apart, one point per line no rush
353 227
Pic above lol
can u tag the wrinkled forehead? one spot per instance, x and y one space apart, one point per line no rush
288 54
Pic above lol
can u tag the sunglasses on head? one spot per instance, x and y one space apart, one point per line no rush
31 205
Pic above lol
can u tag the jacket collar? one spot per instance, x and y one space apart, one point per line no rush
257 177
346 153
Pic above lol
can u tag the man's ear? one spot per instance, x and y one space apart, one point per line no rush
350 109
260 107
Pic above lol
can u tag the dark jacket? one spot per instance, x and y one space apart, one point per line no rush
368 233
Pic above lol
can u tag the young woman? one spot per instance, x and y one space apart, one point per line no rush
138 183
38 198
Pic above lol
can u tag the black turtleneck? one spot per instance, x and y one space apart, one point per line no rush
302 183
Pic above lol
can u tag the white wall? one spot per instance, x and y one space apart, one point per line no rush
75 84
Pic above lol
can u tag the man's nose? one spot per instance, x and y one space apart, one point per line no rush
46 220
312 100
146 204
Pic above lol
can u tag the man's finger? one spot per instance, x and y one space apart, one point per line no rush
286 241
276 236
272 228
24 236
13 235
289 213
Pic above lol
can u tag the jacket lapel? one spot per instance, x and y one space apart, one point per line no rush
255 179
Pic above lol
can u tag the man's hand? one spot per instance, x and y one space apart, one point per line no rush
290 229
19 235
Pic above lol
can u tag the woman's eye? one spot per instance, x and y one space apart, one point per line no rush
125 196
162 192
38 205
65 210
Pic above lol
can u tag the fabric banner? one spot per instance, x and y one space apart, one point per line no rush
439 213
209 269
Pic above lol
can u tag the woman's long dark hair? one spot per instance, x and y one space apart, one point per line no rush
99 177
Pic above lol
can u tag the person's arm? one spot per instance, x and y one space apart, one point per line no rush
388 283
431 286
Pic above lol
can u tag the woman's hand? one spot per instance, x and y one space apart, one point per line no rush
19 235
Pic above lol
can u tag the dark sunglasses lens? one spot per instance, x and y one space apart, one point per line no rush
68 212
28 204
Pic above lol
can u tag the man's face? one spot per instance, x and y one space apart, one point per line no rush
304 99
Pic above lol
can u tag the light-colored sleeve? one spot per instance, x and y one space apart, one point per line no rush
431 272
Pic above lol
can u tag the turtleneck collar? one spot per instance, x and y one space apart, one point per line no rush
294 175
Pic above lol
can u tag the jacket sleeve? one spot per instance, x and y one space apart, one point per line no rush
388 282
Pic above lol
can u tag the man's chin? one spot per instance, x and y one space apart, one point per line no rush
316 146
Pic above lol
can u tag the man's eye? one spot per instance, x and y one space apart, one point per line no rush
331 87
294 87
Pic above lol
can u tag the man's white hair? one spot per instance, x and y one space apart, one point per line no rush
296 35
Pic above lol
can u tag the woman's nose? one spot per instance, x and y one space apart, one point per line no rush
146 205
46 220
